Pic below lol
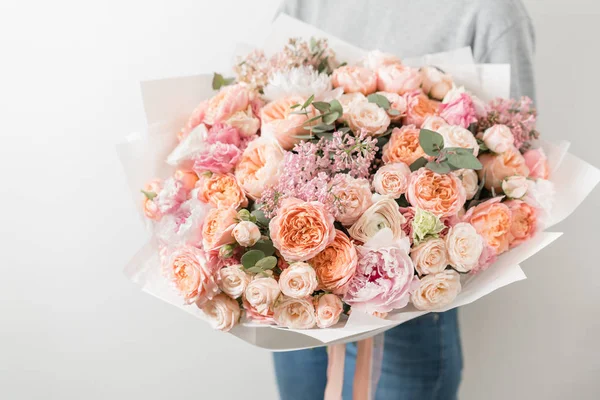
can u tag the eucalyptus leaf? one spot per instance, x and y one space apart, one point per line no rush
322 128
267 263
482 145
303 137
266 246
260 217
295 106
308 101
393 112
336 106
250 258
431 142
418 164
330 118
380 100
322 106
468 161
440 168
254 270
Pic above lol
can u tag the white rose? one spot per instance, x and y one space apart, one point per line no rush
392 179
515 186
261 294
368 117
436 84
430 256
433 123
469 180
349 100
295 313
233 280
464 246
329 307
222 312
245 122
246 233
437 290
298 280
498 138
457 136
376 59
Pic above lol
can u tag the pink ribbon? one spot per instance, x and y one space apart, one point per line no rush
361 389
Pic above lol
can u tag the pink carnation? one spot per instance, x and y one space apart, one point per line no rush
225 134
460 111
219 158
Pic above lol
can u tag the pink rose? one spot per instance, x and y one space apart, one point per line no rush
259 299
246 233
437 291
376 59
218 158
418 108
355 79
498 138
497 167
259 166
392 179
218 227
436 84
397 103
537 162
398 78
299 280
354 197
460 111
369 118
295 313
278 122
227 102
523 222
329 307
222 312
442 195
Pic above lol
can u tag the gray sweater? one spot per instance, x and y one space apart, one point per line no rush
498 31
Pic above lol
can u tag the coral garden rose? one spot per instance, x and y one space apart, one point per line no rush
328 308
436 84
354 197
464 246
498 138
398 78
376 59
369 118
523 224
497 167
385 213
392 179
190 272
218 227
469 180
259 298
336 264
355 79
279 122
492 220
537 162
403 146
301 230
456 136
397 103
437 290
515 186
226 103
459 111
298 280
246 233
442 195
418 108
430 256
295 313
259 166
221 190
222 312
233 280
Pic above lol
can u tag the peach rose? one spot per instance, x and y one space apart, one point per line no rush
403 146
259 166
383 214
469 180
497 167
515 187
392 179
354 197
188 179
456 136
433 123
295 313
436 84
437 291
149 206
329 307
398 78
301 230
397 103
492 220
430 256
523 222
369 118
464 246
246 233
218 227
226 103
418 108
279 122
498 138
349 100
537 162
244 121
442 195
299 280
354 79
221 190
260 296
376 59
190 273
336 264
233 280
222 312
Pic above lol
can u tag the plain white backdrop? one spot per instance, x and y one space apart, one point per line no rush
72 326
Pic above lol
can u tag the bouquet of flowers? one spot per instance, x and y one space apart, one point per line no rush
347 194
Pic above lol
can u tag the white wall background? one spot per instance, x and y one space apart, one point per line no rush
71 325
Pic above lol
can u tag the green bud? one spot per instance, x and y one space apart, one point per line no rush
244 215
227 251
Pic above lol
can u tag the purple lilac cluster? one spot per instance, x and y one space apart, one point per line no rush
519 115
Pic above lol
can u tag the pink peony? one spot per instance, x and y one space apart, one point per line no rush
219 158
459 111
537 162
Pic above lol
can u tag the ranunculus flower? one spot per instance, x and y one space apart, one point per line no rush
227 102
498 138
328 307
383 214
301 230
188 269
397 103
460 111
418 108
354 79
245 122
425 224
259 166
221 190
523 222
336 264
222 312
492 220
259 298
278 121
398 78
403 146
437 291
515 186
368 117
218 227
497 167
149 206
233 280
246 233
433 123
299 280
295 313
469 180
436 84
218 157
456 136
376 59
430 256
537 162
354 197
464 246
349 100
392 179
443 195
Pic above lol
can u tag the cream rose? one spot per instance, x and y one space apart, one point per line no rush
329 307
383 214
436 291
392 179
246 233
233 280
498 138
261 294
469 180
398 78
354 197
354 79
368 117
222 312
430 256
259 166
295 313
457 136
349 100
515 186
298 280
464 246
436 84
433 123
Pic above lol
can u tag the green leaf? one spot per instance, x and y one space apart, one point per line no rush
250 258
308 101
431 142
266 246
313 119
295 106
418 164
321 106
219 81
326 135
303 137
380 100
393 112
254 270
440 168
322 128
267 263
330 118
260 217
336 106
467 160
482 146
149 195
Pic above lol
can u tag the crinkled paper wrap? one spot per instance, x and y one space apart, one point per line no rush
169 102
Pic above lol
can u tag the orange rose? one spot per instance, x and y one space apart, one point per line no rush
218 227
403 146
188 270
301 230
418 108
492 220
221 190
497 167
442 195
355 79
336 264
278 122
523 222
259 166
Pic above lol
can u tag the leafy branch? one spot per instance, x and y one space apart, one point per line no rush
445 159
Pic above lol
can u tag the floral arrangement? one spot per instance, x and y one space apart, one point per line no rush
306 189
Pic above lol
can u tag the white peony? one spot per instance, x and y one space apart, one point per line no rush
301 81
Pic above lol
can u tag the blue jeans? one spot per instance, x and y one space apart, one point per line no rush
422 359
